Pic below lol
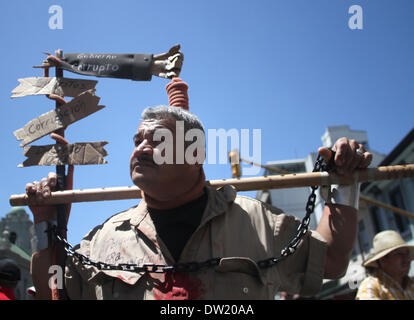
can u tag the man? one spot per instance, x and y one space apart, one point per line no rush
390 265
9 277
181 220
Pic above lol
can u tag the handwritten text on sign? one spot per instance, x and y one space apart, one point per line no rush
61 86
125 66
76 109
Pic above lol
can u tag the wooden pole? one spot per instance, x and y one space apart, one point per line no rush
361 197
59 253
387 206
241 184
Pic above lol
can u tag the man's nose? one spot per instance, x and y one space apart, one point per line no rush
144 148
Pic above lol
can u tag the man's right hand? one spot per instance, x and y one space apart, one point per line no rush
42 190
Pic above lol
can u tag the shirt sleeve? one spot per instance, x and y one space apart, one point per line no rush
369 289
302 272
73 281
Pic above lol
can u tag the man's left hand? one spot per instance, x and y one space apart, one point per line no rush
349 156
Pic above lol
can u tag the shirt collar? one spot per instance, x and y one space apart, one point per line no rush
386 277
217 203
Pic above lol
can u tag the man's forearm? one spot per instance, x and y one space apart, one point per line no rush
338 226
39 270
42 259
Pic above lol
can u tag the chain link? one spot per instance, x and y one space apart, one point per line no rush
320 165
146 268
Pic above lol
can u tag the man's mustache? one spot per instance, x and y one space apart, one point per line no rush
143 159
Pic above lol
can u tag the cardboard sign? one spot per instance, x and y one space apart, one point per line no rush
112 65
78 108
81 153
61 86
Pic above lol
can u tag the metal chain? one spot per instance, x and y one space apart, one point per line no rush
146 268
302 229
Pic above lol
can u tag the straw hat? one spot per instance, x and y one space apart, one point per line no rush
385 242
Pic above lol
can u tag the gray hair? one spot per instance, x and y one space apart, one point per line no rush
191 121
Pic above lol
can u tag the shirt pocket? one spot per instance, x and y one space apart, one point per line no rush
241 279
119 285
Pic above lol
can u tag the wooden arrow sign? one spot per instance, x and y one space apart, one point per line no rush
81 153
78 108
61 86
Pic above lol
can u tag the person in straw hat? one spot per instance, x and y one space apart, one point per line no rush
389 267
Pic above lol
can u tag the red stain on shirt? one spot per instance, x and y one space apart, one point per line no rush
179 286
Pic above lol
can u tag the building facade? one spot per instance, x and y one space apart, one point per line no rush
16 240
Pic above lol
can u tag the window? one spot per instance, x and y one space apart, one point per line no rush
402 222
362 237
354 254
376 220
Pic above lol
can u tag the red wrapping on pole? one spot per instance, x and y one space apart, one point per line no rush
177 93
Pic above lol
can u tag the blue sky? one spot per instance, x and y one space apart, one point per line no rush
290 68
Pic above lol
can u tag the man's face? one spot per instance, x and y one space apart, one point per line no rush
145 172
397 262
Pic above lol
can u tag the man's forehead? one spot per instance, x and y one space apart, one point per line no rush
153 124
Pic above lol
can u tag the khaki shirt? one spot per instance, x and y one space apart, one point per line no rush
238 229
